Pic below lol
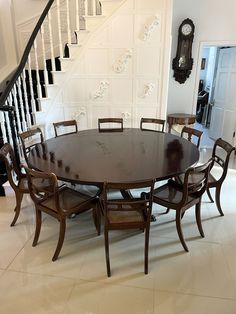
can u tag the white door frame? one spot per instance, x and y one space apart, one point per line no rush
203 44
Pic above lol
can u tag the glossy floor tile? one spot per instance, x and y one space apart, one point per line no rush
93 297
201 281
206 142
29 293
176 303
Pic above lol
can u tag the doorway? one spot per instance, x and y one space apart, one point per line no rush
208 68
216 103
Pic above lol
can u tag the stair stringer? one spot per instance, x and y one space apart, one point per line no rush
89 91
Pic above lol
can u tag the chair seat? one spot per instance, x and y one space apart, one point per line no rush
194 178
68 200
170 193
125 217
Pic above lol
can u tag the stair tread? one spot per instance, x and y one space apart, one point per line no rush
74 45
69 59
51 85
43 98
59 72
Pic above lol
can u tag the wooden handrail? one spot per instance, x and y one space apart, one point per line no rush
24 59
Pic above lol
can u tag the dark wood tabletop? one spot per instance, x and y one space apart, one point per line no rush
95 157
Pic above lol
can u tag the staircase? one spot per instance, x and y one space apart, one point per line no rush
48 55
71 53
88 59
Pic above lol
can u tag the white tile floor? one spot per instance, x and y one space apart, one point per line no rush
206 141
201 281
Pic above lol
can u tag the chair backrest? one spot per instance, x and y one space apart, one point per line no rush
195 180
156 122
8 157
141 202
29 139
116 124
192 133
224 148
66 127
41 185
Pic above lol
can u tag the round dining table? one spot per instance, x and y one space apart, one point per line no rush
130 155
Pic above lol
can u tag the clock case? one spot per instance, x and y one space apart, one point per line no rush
183 62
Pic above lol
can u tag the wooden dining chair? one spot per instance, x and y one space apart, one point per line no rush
120 213
114 124
221 153
180 197
192 135
16 178
65 127
29 140
58 202
157 123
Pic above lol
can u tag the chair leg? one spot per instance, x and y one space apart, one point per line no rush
146 250
38 227
217 198
166 212
198 218
209 195
17 209
61 239
97 218
179 229
107 251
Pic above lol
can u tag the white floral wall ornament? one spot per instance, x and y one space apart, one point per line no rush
101 90
125 115
79 113
148 90
121 64
149 28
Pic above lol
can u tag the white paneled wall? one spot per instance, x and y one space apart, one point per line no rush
8 56
121 71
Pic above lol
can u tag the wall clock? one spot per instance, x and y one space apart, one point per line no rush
183 62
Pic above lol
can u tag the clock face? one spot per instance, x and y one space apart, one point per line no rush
186 29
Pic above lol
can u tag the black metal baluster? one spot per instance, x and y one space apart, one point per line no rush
3 174
14 135
5 125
